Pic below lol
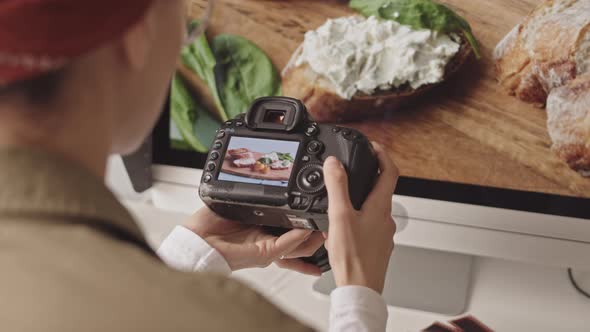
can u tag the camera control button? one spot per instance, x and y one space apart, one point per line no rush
207 178
310 179
228 123
314 147
314 177
214 155
217 145
239 123
210 166
345 132
295 193
221 134
336 129
312 130
306 158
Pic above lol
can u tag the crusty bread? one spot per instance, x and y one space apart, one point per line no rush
546 60
568 113
325 105
549 48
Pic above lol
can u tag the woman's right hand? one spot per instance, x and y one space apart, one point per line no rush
359 243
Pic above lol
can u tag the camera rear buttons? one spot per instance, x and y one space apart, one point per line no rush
217 145
207 178
221 134
310 179
300 202
314 147
348 134
214 155
210 166
313 178
312 130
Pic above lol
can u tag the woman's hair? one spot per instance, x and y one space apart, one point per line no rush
38 90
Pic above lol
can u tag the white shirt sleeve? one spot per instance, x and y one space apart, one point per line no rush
357 309
352 308
186 251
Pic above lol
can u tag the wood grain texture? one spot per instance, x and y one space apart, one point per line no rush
467 131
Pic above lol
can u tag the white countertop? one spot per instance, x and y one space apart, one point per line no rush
508 296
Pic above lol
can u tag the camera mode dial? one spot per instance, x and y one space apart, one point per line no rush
310 179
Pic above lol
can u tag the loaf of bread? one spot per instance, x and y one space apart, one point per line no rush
545 60
568 113
549 48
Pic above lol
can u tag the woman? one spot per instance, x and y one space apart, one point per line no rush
80 80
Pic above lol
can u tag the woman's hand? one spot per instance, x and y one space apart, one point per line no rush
359 243
244 246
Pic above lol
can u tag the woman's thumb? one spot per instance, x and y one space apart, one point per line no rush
336 181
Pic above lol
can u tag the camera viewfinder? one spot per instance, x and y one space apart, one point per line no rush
275 116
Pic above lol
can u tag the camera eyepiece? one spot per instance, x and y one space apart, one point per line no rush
275 113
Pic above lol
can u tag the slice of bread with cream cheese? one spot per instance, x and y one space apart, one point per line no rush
354 67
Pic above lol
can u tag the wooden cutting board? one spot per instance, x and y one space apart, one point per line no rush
272 175
467 131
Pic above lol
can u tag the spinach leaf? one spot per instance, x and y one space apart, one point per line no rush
285 156
265 160
196 125
368 7
200 59
243 73
419 14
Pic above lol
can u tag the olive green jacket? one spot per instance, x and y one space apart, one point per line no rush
72 259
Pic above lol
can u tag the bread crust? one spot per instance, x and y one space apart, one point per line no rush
325 105
568 121
540 53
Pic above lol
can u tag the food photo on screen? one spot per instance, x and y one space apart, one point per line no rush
259 161
455 116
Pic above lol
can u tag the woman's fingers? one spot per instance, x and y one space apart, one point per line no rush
309 247
387 181
336 181
288 242
298 265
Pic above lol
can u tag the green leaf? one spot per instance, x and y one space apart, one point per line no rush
419 14
197 127
368 7
266 161
243 73
192 25
200 59
285 156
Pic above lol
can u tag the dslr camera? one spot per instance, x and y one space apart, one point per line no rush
265 167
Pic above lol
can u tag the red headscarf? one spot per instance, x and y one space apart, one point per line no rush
37 36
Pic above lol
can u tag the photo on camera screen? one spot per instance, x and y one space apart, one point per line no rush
259 161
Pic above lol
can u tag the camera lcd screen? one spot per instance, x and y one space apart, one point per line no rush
259 161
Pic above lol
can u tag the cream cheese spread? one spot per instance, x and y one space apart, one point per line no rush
368 54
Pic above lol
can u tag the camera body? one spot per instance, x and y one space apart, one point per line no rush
265 166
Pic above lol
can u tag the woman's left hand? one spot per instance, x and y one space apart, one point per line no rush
245 246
